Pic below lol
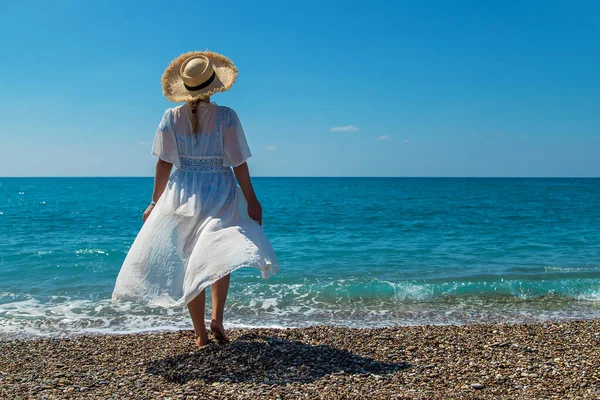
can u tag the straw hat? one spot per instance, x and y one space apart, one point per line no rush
197 75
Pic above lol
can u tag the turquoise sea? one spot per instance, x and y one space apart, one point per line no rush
354 252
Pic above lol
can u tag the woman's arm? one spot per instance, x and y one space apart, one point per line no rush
163 171
243 177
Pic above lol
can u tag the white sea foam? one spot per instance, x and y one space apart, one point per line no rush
90 251
411 290
571 269
380 303
32 318
589 296
269 303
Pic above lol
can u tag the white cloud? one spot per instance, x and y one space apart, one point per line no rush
271 148
383 137
407 141
347 128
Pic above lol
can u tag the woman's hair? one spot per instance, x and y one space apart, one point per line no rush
196 125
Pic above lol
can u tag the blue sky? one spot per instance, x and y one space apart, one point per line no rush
419 88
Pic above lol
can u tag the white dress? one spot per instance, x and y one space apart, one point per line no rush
199 230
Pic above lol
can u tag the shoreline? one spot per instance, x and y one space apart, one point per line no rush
533 360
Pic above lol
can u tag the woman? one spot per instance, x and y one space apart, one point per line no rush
200 226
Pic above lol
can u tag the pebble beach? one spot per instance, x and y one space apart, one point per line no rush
520 361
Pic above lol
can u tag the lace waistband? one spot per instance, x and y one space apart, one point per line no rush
202 164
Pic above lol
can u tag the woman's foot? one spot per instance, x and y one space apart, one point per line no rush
218 331
202 339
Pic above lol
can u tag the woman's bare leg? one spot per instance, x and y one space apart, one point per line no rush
196 309
218 292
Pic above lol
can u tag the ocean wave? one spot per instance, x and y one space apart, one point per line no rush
572 269
378 303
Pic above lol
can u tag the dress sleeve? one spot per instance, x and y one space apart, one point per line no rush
235 145
165 144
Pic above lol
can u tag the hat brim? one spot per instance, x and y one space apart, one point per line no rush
174 89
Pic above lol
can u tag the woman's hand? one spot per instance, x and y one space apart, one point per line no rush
163 170
147 212
243 177
255 211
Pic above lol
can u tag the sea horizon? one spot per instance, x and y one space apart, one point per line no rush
319 177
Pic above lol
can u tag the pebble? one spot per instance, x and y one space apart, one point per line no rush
525 375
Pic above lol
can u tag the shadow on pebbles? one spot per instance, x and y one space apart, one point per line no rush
259 358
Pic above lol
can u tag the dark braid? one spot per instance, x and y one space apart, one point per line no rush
194 118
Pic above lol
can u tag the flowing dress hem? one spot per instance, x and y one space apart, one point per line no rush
267 270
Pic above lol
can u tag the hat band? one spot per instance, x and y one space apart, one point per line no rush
202 85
